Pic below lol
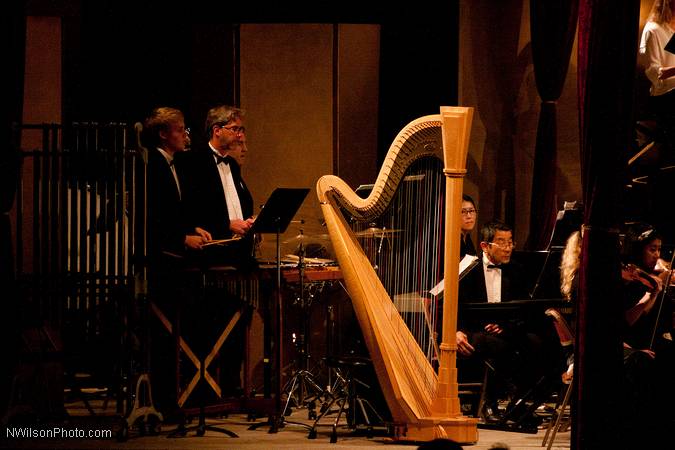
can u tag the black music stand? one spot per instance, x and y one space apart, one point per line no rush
275 216
567 222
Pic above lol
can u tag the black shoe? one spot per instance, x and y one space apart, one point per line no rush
491 413
531 421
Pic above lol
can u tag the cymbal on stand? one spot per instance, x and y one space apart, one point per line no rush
306 238
374 232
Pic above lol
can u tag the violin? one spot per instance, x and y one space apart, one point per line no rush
631 272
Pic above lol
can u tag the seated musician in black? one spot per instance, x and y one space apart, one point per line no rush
649 353
469 214
506 346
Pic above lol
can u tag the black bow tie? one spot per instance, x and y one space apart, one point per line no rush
492 266
223 159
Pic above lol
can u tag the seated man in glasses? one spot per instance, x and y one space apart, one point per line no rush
497 279
506 344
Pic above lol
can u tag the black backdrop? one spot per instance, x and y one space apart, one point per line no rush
123 58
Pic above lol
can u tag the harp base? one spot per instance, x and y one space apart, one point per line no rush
463 430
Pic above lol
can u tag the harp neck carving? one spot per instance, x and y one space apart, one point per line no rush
420 138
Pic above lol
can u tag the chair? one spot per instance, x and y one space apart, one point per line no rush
566 338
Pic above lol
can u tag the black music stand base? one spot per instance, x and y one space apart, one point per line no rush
274 218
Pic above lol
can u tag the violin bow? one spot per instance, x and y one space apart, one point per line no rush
661 301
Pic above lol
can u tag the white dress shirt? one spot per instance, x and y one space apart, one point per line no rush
231 196
493 281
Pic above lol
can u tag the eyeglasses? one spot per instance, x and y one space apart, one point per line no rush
505 245
469 212
234 129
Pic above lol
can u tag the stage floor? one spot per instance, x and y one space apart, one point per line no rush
291 436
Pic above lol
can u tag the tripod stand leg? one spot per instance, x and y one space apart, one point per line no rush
291 391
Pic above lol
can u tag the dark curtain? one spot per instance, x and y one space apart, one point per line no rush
14 42
552 24
608 34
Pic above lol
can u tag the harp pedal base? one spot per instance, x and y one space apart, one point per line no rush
463 430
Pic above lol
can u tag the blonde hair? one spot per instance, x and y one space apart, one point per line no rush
569 264
160 119
662 11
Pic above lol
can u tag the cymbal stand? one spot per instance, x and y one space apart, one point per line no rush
302 382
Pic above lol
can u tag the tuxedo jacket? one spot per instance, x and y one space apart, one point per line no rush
472 290
166 226
204 198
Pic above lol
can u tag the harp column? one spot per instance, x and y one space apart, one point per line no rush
456 125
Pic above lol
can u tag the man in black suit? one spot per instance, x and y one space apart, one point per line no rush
217 200
168 238
216 197
168 232
497 279
508 346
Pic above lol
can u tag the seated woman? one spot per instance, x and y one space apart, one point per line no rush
569 281
469 214
648 315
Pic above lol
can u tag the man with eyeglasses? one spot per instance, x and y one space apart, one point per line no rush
169 238
508 349
217 199
495 280
166 136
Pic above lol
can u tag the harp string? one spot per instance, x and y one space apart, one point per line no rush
405 247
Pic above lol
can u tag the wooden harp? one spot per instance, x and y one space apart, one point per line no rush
423 169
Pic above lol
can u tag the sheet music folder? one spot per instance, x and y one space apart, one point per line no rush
279 210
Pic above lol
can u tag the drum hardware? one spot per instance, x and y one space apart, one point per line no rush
301 388
377 233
